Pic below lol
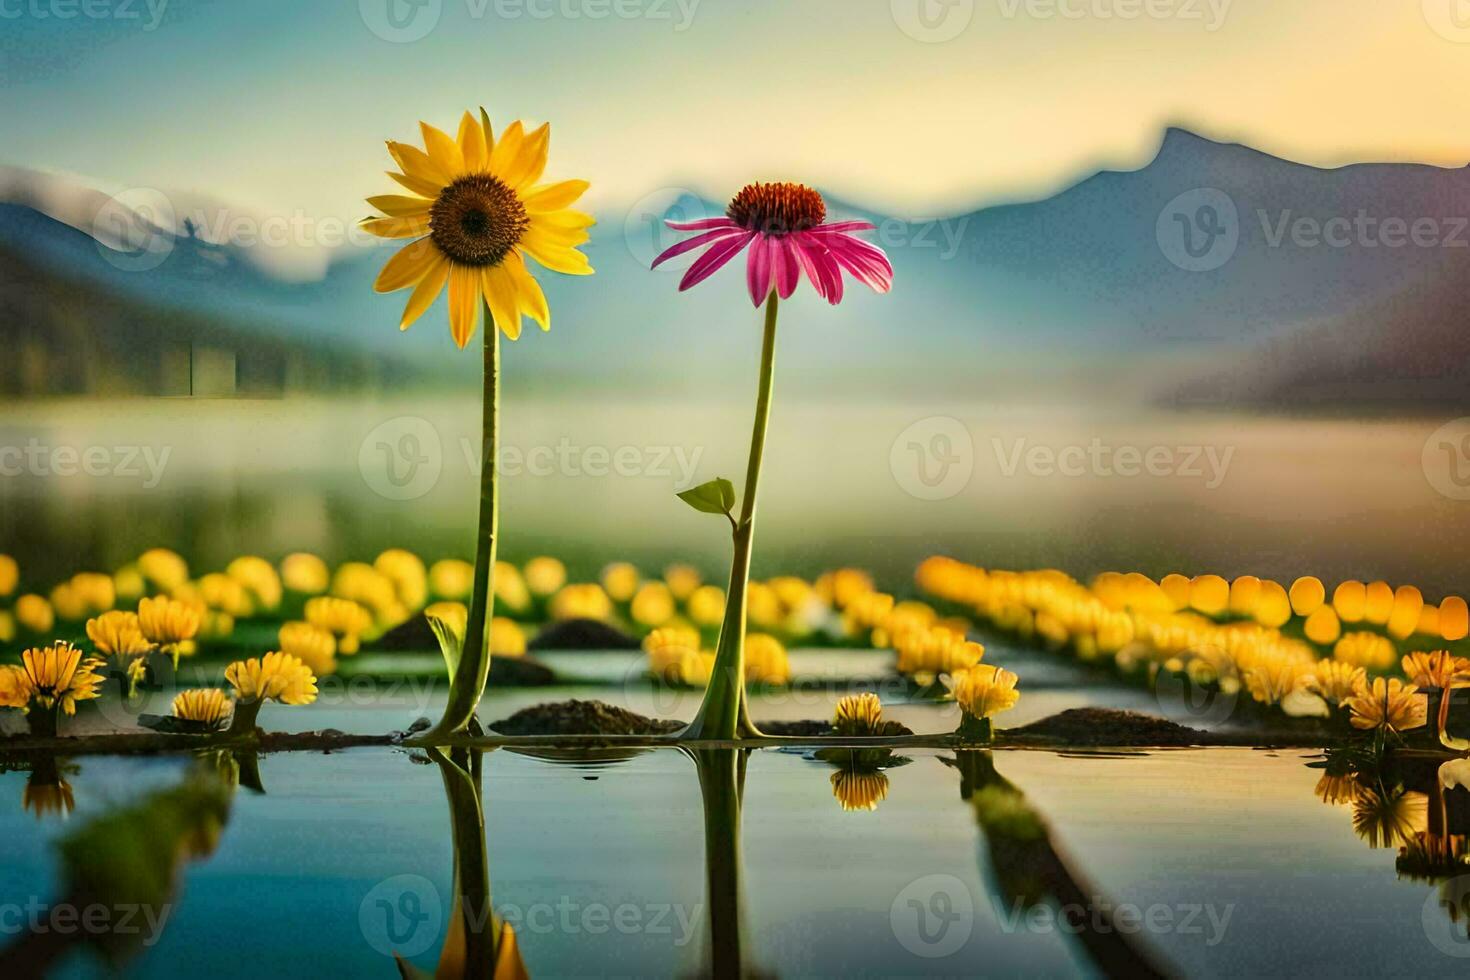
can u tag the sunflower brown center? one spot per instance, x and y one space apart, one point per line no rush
776 209
477 220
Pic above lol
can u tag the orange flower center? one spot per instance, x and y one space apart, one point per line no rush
477 220
776 209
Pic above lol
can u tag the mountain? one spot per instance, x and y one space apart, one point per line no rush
1117 287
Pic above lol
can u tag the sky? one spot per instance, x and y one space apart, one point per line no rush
920 108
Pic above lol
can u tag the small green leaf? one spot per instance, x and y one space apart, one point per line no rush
714 497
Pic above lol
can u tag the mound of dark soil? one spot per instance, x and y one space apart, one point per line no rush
1106 726
583 634
582 718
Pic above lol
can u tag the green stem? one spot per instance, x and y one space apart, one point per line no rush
724 713
467 685
722 787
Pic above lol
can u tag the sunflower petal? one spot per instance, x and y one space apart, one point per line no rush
530 162
420 186
554 197
400 205
414 162
507 148
532 300
428 290
489 134
555 256
464 302
501 296
471 142
411 227
407 266
565 218
442 150
552 235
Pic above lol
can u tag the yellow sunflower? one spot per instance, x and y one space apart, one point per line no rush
476 211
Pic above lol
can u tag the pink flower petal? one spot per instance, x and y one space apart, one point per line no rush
760 269
690 244
805 251
845 226
865 262
703 224
714 260
829 270
788 267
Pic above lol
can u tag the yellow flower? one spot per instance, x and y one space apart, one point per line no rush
15 687
765 660
7 626
545 575
841 587
507 639
667 649
984 691
1210 594
1367 650
305 573
259 576
207 705
476 212
128 585
451 578
1388 704
510 587
1334 790
858 714
1272 679
46 798
858 789
706 605
370 588
585 601
1322 626
224 593
1335 681
67 603
118 635
682 580
620 579
53 676
1350 599
274 677
1439 669
171 624
95 592
1389 819
342 618
653 604
312 645
34 613
1307 595
9 575
163 569
409 577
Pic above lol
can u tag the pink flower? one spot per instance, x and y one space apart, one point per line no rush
783 226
